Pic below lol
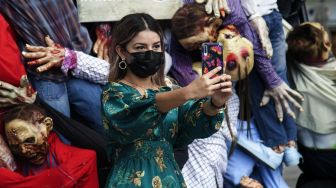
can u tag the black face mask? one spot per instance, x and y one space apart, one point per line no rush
145 64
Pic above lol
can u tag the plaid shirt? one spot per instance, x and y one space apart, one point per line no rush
207 161
34 19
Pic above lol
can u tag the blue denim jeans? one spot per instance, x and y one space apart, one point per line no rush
82 97
272 131
277 37
242 164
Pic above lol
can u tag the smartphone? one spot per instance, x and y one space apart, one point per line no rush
212 57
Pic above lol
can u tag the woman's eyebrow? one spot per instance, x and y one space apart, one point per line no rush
140 43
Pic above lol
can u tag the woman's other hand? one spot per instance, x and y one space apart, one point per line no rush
45 58
221 96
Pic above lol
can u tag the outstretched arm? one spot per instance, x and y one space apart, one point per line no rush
259 25
79 64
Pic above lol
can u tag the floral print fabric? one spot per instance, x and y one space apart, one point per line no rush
141 139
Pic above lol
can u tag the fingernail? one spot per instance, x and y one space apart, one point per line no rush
261 104
292 115
280 119
301 110
31 62
27 45
24 53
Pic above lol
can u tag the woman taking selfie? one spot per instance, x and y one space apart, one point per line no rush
146 119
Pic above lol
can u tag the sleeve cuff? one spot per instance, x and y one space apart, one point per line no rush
254 16
69 62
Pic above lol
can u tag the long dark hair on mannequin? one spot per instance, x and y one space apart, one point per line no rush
124 31
27 112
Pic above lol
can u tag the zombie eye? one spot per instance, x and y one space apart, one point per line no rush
231 65
228 36
30 140
231 62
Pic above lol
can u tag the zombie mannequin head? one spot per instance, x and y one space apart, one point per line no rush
237 53
192 26
309 43
27 129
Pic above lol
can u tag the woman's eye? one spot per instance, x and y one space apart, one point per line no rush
157 46
140 47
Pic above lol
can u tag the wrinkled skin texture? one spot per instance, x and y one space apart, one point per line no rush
261 28
102 44
247 182
11 95
45 58
220 8
29 139
237 53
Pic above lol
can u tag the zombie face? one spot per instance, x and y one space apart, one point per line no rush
237 53
208 34
29 139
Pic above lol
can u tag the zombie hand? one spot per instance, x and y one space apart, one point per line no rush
247 182
46 58
260 26
219 7
11 95
281 95
102 44
6 157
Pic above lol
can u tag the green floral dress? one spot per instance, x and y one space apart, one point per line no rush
141 139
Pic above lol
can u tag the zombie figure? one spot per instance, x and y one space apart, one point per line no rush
42 159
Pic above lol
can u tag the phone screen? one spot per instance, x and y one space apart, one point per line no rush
212 57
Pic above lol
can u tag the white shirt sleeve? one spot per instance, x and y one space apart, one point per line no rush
91 68
250 8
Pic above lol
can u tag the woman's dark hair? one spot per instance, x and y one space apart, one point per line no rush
124 31
28 112
189 20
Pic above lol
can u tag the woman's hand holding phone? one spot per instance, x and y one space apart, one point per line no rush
223 94
218 87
